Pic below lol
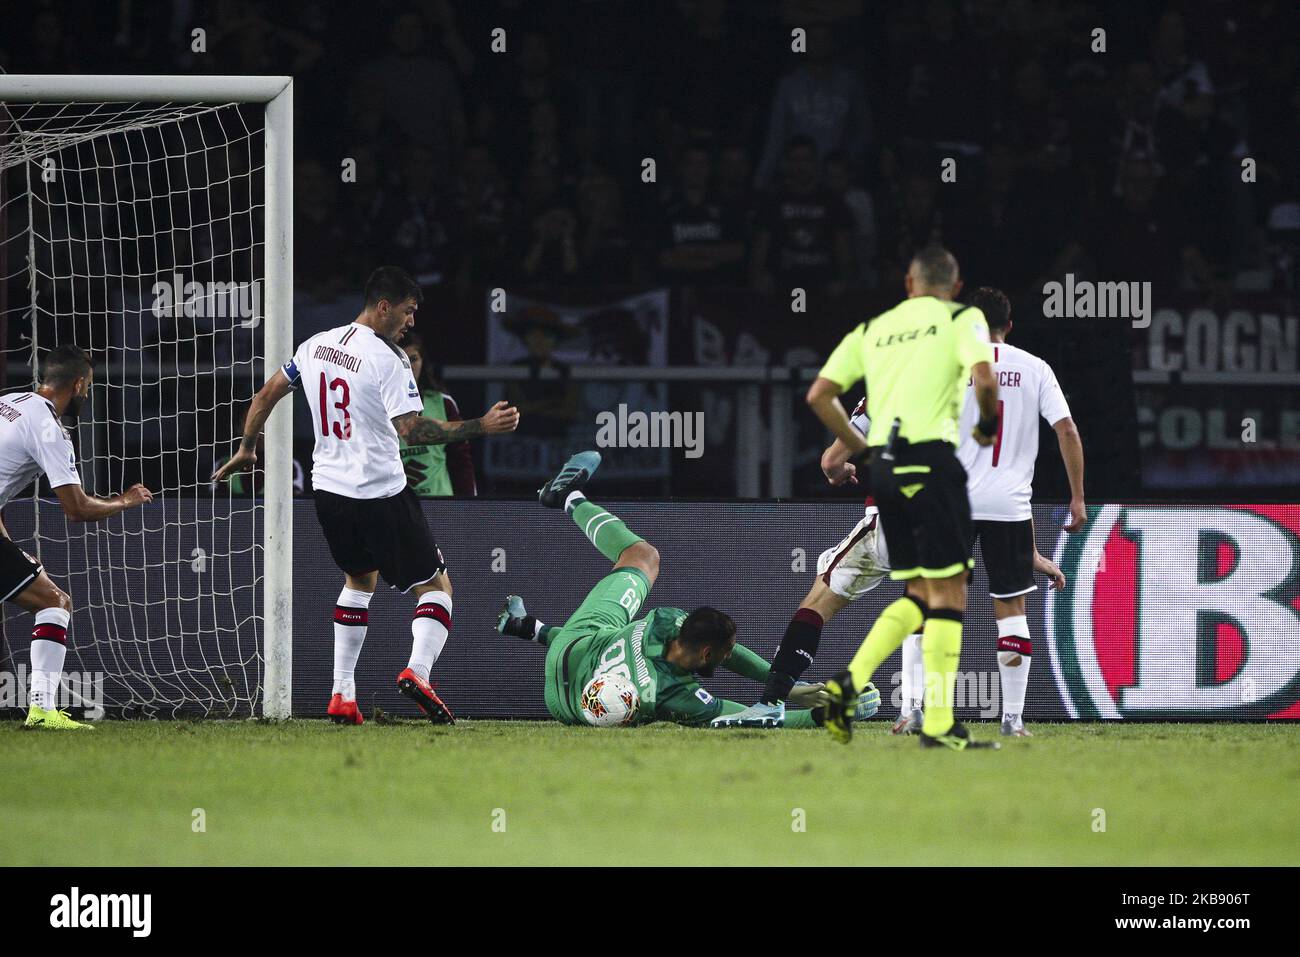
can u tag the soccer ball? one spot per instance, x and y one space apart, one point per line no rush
609 700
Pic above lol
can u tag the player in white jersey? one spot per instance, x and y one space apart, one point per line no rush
845 572
1000 484
34 442
999 481
363 399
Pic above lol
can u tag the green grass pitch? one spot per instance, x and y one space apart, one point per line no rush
488 792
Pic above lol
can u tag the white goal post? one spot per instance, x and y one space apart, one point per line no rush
44 116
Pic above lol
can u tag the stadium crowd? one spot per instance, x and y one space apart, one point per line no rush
773 169
524 167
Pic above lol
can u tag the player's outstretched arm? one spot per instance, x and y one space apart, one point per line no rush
80 507
418 430
749 664
245 457
1067 436
746 663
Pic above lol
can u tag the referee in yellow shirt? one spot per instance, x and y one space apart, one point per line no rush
916 359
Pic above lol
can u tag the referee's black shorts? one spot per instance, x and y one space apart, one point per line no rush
388 535
924 510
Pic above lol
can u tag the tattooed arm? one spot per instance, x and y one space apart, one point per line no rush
417 430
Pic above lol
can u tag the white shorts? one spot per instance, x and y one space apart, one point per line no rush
858 563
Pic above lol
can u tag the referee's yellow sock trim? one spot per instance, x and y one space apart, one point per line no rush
896 622
941 652
948 571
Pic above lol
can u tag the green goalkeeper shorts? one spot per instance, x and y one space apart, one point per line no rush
573 654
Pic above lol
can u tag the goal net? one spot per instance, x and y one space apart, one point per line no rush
137 230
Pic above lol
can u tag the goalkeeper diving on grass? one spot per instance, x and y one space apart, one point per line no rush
663 654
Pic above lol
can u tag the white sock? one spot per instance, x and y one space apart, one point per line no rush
430 627
913 684
351 618
49 648
1014 648
573 500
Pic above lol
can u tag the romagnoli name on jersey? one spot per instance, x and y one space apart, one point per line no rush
338 357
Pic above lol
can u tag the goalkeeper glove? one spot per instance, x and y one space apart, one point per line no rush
868 703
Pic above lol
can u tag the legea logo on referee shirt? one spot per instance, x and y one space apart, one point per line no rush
1180 612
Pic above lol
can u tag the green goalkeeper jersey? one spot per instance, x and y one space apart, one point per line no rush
636 651
601 637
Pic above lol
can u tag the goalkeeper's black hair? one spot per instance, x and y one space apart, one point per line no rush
65 364
393 284
707 628
995 305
